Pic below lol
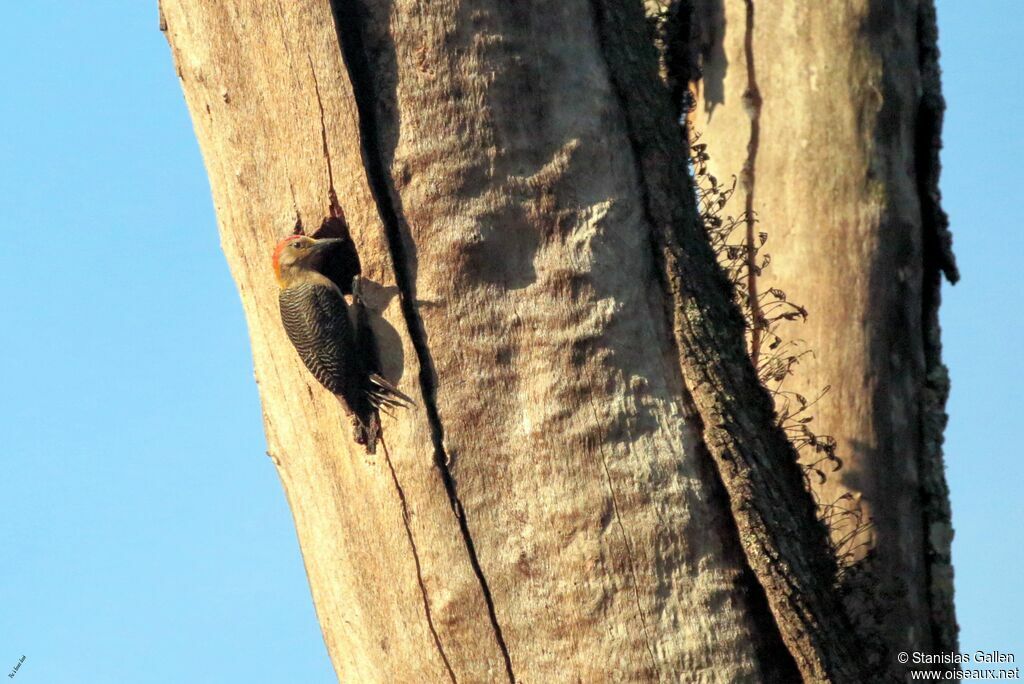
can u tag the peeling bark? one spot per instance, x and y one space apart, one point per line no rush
779 531
938 261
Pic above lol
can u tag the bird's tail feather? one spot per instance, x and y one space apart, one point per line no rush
384 395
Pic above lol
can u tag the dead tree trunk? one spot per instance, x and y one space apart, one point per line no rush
593 486
830 115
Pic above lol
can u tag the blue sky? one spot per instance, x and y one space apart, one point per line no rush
982 174
145 533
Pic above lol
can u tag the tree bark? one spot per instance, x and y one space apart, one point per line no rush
830 115
593 486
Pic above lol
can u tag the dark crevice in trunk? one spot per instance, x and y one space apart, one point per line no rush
776 662
784 542
349 19
332 193
337 216
774 659
416 559
752 102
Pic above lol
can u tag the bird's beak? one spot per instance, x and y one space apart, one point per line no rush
319 249
324 244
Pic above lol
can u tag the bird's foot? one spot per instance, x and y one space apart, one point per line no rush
357 289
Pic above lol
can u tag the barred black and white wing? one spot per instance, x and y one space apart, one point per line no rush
316 319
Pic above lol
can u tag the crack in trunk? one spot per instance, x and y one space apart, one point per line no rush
332 194
784 542
752 102
348 19
629 548
416 559
336 211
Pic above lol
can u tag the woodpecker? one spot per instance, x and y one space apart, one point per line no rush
333 337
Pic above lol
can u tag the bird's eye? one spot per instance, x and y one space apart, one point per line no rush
297 245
